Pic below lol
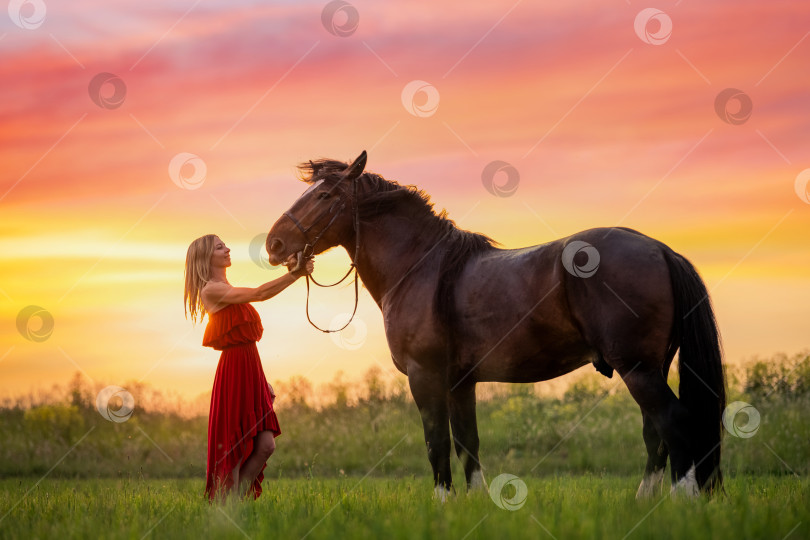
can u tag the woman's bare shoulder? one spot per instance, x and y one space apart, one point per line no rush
212 294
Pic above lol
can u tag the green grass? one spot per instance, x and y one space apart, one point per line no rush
357 468
520 433
581 506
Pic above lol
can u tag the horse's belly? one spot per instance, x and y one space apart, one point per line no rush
531 367
500 344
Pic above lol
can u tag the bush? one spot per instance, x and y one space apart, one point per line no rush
595 426
62 421
787 377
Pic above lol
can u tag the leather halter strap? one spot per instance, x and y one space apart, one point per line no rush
309 249
296 223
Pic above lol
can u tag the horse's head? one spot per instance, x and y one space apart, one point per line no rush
322 216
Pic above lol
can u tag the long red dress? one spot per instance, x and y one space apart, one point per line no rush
241 405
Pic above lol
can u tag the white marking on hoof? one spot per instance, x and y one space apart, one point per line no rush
651 485
687 485
440 492
477 482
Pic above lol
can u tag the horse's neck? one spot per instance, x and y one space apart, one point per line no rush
390 253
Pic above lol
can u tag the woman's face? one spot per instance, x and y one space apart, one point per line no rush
221 256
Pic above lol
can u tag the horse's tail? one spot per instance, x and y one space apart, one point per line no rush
703 387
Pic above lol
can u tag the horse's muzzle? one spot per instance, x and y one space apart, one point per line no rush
275 249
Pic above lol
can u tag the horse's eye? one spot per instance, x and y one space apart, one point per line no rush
324 195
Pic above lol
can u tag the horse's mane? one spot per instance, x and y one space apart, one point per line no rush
381 196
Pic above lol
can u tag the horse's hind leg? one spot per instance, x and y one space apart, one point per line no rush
465 434
657 454
670 419
429 391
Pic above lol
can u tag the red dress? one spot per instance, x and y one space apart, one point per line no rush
241 405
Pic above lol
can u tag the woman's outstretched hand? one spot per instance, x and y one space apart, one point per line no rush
305 270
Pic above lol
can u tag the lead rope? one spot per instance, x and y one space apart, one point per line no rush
353 266
356 300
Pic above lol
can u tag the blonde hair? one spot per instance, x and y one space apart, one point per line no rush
197 274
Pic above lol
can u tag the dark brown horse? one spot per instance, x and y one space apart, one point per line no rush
459 311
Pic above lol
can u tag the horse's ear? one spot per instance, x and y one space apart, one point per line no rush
314 168
356 169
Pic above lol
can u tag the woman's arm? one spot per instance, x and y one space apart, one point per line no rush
217 293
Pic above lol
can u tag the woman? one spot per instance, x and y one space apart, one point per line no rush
242 424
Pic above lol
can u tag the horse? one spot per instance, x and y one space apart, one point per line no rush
459 310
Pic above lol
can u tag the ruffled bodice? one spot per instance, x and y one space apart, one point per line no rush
235 324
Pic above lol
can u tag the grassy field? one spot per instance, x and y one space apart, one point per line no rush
356 466
581 506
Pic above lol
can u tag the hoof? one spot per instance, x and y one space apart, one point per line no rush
686 486
651 485
477 482
441 493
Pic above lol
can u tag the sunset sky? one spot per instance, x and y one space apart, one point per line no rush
604 123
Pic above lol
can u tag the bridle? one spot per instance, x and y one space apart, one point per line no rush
309 248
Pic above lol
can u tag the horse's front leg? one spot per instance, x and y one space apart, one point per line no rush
429 389
465 433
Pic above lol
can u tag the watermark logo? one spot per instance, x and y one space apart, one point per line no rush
580 259
35 323
505 189
115 404
256 252
732 416
802 186
99 90
27 14
653 26
420 98
733 106
353 336
340 18
508 492
187 171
